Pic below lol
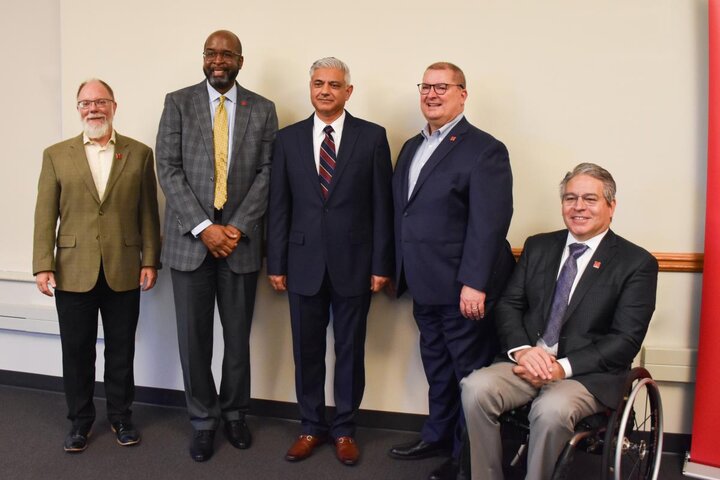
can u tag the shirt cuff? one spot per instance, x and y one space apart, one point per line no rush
202 226
565 364
513 350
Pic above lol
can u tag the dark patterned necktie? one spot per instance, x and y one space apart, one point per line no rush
562 294
328 159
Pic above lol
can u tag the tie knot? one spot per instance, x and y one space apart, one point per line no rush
222 99
328 129
577 249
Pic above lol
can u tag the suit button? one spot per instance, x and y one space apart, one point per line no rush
100 213
212 179
405 214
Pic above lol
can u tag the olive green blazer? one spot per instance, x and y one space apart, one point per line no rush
120 231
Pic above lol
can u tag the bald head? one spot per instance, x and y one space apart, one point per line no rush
227 36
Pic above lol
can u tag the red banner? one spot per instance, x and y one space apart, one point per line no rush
706 421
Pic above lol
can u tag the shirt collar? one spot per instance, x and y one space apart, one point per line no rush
442 131
592 243
337 124
87 140
230 95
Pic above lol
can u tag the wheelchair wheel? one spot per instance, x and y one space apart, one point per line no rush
633 440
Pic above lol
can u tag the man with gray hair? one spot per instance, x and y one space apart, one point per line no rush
330 246
570 321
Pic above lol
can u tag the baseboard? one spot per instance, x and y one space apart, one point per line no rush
259 407
672 442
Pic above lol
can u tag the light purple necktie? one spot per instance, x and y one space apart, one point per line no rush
561 297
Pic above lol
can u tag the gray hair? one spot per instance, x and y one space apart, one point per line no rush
332 62
594 171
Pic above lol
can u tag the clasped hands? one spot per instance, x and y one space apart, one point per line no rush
221 240
537 367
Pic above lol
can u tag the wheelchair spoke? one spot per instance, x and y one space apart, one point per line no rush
633 444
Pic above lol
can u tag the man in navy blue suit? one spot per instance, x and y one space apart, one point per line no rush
330 245
452 191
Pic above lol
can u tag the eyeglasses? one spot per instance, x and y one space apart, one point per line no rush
570 200
224 55
440 88
100 103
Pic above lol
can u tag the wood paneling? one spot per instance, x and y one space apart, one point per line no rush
669 262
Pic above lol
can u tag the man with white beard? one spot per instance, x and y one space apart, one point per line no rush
96 245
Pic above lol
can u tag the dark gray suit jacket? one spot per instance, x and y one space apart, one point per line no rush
607 317
185 163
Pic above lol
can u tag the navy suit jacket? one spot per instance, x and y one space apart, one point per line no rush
608 314
350 234
451 231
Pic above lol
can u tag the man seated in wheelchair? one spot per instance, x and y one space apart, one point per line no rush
570 322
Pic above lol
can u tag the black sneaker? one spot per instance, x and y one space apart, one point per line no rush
76 441
125 433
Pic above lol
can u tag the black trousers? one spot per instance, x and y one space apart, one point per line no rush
78 318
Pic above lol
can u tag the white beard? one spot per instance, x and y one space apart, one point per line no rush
94 132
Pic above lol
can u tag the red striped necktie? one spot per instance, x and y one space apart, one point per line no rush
328 159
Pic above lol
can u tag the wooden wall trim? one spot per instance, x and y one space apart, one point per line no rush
669 261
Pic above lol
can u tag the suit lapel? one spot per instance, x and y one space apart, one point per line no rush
344 154
79 160
403 166
122 150
602 258
243 107
451 140
306 155
201 102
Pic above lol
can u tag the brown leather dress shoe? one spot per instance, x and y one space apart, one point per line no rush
347 450
303 447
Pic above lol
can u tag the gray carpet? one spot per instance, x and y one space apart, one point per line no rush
33 428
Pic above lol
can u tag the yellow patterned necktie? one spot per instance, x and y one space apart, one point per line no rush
220 141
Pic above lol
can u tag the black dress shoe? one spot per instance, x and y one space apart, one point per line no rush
238 433
76 440
125 433
201 447
417 450
446 471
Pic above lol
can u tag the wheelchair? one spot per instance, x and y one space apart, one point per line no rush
629 438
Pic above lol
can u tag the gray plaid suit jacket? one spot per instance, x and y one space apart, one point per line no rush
185 164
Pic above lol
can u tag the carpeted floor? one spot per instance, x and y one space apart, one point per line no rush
33 428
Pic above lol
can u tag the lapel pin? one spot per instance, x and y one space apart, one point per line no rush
596 264
118 156
243 103
452 138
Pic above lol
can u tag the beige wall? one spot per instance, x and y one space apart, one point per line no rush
620 83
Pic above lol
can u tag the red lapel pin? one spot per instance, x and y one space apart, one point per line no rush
118 156
452 138
243 103
596 264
